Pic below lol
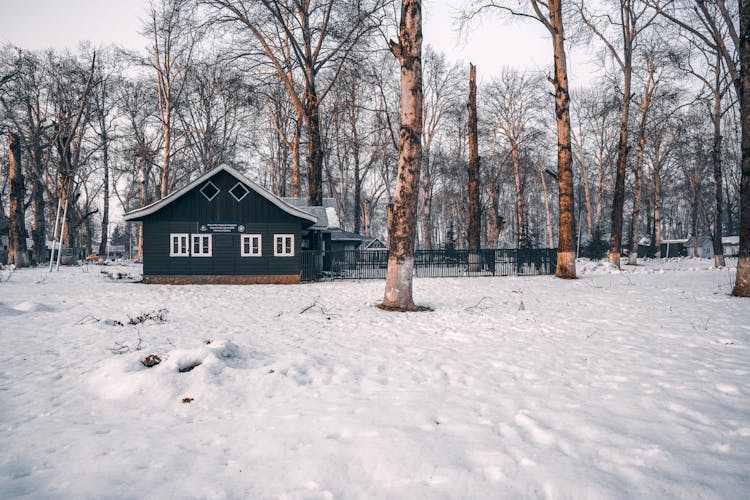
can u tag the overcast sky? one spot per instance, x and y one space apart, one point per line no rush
40 24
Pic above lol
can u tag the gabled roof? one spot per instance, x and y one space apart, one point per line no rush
158 205
327 213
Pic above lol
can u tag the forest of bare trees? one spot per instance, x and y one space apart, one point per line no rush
305 97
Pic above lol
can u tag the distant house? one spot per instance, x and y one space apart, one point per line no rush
224 228
673 248
700 246
731 245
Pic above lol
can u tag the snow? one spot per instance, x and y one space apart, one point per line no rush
623 383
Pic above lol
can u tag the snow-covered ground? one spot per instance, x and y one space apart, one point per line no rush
631 384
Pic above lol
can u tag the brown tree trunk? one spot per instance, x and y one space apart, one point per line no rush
718 247
473 235
566 262
17 253
402 227
618 203
742 281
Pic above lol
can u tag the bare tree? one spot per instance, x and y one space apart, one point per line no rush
630 20
719 30
514 100
441 86
318 35
402 228
17 253
550 15
174 36
473 171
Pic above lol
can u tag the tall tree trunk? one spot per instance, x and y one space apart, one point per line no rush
105 194
566 262
17 253
718 247
402 228
314 149
473 236
550 237
520 236
426 201
618 203
645 105
587 199
495 222
366 217
39 229
742 281
295 158
166 166
657 203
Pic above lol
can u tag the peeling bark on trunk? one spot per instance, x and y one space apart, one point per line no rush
402 227
566 263
473 236
742 281
17 253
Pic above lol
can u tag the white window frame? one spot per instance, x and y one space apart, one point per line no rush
247 191
183 243
284 252
250 238
200 237
215 194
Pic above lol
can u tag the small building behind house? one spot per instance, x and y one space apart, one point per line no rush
731 246
699 246
673 248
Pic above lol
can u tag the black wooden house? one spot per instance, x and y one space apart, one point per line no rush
224 228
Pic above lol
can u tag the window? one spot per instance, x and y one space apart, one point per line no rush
283 245
209 190
250 245
201 245
178 245
239 191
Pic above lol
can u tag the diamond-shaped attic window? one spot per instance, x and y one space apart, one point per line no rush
239 191
209 190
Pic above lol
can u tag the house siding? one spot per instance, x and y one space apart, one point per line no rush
185 214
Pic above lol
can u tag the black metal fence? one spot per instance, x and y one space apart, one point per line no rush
372 264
